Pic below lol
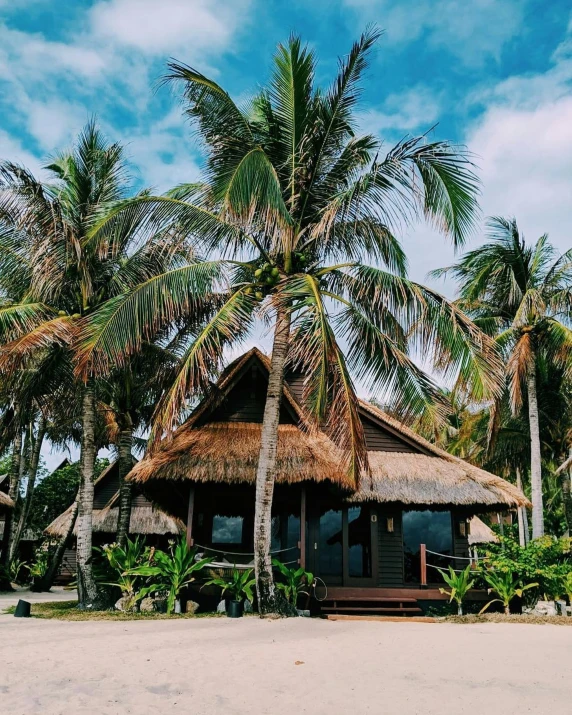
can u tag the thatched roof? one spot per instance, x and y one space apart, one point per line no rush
227 452
144 520
148 519
432 476
5 501
480 533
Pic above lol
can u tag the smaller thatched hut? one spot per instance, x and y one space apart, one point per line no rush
480 533
146 519
5 502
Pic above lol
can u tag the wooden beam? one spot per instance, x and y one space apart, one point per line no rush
302 542
190 512
423 556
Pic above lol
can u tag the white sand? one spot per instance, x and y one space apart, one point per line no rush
212 666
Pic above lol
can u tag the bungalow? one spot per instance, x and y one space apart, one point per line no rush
373 549
146 519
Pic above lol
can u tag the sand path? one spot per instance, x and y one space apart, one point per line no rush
212 666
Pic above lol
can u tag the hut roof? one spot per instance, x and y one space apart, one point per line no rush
227 452
5 501
145 519
480 533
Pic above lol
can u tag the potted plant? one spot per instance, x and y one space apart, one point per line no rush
171 572
294 581
239 586
459 583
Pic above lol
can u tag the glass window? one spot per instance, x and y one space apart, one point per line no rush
435 530
227 529
359 537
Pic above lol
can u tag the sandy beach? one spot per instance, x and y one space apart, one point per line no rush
212 666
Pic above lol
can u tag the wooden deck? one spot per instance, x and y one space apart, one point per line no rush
381 602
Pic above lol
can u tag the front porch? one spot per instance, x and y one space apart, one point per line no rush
366 557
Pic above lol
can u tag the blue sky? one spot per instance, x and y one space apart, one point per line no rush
494 74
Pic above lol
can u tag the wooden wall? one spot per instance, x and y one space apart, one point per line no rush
390 548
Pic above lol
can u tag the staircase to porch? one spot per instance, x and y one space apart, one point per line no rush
368 601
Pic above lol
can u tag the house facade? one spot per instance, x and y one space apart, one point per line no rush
377 546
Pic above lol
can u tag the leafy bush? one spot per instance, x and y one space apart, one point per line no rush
170 572
15 570
545 561
294 581
459 583
239 585
122 562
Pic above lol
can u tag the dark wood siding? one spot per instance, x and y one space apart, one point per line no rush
106 489
378 439
295 382
245 402
390 548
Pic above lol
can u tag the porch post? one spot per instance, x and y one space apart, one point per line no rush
302 542
190 515
423 557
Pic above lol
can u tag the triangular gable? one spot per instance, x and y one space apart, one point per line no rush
240 395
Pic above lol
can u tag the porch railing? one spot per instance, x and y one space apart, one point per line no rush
423 551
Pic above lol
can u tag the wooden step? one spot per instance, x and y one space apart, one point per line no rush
370 609
368 599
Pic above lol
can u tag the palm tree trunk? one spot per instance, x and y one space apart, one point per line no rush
535 459
125 487
14 486
522 540
32 474
87 588
567 495
45 583
269 599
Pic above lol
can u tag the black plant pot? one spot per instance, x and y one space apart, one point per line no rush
235 609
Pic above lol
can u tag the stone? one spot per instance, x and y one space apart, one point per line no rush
542 608
147 605
192 607
248 607
221 608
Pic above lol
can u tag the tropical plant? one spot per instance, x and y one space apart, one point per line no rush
239 585
521 294
122 561
295 581
40 564
60 274
506 586
460 584
16 567
170 572
297 205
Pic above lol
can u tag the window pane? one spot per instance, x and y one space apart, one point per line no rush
359 534
434 529
227 529
330 543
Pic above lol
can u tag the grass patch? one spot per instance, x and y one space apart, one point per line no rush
513 618
68 611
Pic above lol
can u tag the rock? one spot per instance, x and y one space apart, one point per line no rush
248 607
192 607
126 603
542 608
221 608
147 605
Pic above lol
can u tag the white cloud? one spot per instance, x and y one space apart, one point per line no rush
168 26
473 30
524 144
416 107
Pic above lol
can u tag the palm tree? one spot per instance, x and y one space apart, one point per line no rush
293 205
61 275
521 294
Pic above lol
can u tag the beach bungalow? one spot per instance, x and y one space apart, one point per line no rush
146 519
373 549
